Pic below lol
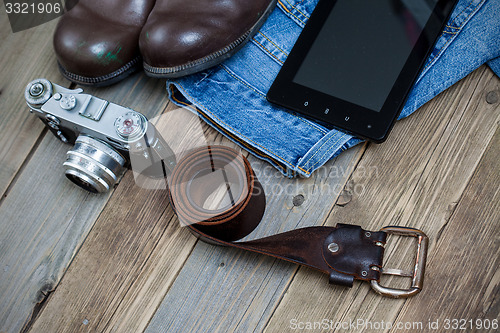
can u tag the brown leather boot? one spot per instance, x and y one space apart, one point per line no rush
96 42
182 37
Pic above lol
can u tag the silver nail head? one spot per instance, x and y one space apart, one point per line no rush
364 273
333 247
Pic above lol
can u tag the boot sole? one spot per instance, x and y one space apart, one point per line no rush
212 59
104 80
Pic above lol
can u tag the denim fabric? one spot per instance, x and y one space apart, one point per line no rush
232 96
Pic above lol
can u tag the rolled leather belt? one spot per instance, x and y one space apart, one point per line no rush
345 252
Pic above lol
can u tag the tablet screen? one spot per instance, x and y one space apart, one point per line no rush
362 47
355 62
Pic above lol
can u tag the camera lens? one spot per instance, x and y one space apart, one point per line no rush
93 165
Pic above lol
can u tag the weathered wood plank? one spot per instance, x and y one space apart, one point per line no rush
464 268
119 297
122 241
117 255
5 29
25 56
43 222
134 311
423 170
226 289
45 218
217 286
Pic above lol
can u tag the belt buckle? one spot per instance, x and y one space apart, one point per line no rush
417 275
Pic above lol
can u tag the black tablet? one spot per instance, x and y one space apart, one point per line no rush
356 61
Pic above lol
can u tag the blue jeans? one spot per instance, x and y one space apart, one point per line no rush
232 96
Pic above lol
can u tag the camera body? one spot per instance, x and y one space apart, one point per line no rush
107 137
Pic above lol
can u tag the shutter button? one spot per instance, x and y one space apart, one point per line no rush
67 102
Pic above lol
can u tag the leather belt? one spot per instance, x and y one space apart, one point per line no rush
344 252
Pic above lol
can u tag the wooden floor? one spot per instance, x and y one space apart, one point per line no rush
119 262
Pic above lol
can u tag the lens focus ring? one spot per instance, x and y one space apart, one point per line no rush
93 165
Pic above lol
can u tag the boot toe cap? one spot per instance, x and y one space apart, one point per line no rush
93 50
168 45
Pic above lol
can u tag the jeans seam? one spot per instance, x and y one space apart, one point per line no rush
430 63
208 111
288 11
241 80
324 143
294 7
467 18
328 151
463 10
270 41
268 51
263 95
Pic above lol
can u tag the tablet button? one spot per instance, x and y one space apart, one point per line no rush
306 103
327 110
347 118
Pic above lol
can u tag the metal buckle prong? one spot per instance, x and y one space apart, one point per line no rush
418 271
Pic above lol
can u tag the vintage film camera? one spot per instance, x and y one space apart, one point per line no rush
107 137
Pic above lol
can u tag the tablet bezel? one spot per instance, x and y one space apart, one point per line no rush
333 112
